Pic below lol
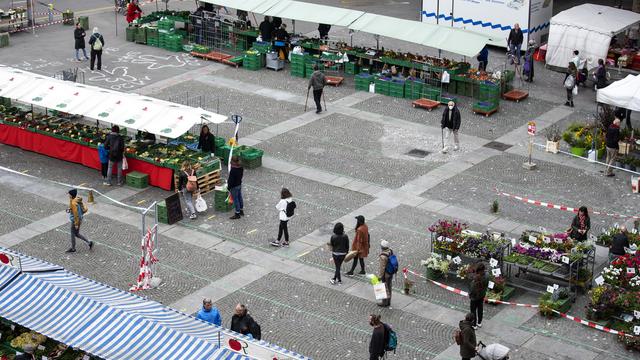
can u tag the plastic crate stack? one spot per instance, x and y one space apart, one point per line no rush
264 47
253 60
251 158
141 36
308 67
163 216
153 37
363 80
137 180
168 40
297 65
431 93
4 40
220 200
489 98
396 88
413 89
351 68
382 86
131 33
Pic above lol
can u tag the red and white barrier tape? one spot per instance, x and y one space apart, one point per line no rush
592 324
561 207
496 301
36 27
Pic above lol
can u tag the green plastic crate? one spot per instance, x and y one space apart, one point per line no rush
251 158
413 89
84 22
4 39
141 35
220 200
350 68
137 180
163 216
131 33
382 86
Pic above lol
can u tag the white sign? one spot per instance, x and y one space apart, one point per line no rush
449 257
631 271
636 313
558 240
599 280
550 289
547 240
513 242
565 259
636 330
493 262
496 272
532 238
490 285
556 286
457 260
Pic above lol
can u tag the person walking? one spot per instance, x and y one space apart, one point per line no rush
580 225
612 138
468 344
243 323
103 155
477 293
317 82
97 43
388 267
339 244
209 313
360 244
619 242
527 67
206 141
378 342
450 124
234 184
570 82
515 41
483 59
601 75
77 209
187 186
285 208
114 143
78 35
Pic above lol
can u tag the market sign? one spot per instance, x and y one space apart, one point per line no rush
9 260
531 128
253 350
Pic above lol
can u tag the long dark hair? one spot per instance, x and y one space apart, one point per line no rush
202 130
338 229
285 193
584 210
359 221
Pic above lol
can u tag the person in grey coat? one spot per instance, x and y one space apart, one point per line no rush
317 82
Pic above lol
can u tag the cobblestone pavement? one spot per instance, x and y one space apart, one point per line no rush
20 209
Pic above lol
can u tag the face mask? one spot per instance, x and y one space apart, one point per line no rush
450 107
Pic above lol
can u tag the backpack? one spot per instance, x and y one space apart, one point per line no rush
457 336
392 264
192 182
391 339
291 206
256 331
97 45
569 82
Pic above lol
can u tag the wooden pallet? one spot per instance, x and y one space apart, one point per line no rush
206 182
334 80
486 113
216 56
425 104
515 95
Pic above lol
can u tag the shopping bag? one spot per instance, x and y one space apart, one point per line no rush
575 90
350 255
635 184
380 291
125 165
201 205
229 199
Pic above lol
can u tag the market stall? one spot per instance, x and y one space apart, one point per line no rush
623 93
56 310
587 28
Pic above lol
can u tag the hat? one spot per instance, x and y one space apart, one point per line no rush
28 348
384 244
73 192
360 218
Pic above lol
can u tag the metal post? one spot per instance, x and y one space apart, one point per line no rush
115 13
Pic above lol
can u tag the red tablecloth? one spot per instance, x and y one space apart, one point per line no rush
66 150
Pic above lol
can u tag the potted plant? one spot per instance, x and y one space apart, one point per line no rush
576 137
437 266
553 139
558 301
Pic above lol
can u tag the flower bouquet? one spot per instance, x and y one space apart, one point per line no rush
437 266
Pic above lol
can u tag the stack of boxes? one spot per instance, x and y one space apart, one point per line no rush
297 65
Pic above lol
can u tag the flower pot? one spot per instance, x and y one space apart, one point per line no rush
434 274
578 151
552 146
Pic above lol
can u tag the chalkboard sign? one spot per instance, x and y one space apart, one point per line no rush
174 209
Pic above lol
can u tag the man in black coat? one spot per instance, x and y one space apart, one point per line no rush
450 125
515 41
266 29
114 143
78 35
243 323
378 342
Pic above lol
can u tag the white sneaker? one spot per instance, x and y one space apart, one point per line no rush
332 281
193 216
479 325
444 151
456 148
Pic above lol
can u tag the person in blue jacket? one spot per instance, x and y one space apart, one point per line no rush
104 160
209 313
483 59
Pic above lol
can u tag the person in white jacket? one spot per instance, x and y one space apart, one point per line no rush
285 200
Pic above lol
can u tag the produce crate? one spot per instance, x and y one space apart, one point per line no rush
141 36
84 22
6 102
200 49
153 41
297 70
4 39
431 93
152 31
396 89
485 108
223 153
264 47
131 33
219 143
413 89
220 200
170 42
382 86
253 61
351 68
362 81
297 59
137 180
167 25
163 216
251 158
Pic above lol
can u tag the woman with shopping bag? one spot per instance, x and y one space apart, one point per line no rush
359 247
187 186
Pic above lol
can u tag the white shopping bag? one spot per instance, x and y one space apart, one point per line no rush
635 184
380 291
372 88
125 165
201 205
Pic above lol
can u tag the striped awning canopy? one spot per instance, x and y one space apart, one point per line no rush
111 323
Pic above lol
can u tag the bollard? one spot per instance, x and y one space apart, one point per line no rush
90 199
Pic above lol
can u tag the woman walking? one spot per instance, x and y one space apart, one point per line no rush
477 292
339 247
285 199
570 82
360 244
206 142
528 61
580 225
187 185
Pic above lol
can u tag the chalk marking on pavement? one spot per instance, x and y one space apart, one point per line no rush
211 217
304 253
141 202
251 231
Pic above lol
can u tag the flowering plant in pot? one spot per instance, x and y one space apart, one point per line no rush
437 266
553 135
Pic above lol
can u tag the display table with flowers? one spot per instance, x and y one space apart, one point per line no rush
615 302
606 237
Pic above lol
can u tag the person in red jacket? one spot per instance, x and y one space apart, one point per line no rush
133 11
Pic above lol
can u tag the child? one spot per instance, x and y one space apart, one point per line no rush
104 160
285 208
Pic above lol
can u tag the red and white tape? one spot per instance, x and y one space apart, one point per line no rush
592 324
562 207
496 301
446 287
36 27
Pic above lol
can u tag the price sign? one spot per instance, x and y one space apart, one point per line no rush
631 271
558 240
547 240
599 280
532 238
496 272
491 285
457 260
493 262
636 330
550 289
565 259
513 242
449 257
556 286
531 128
636 313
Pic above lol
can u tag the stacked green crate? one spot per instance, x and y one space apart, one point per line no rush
137 180
220 200
265 47
396 88
4 39
297 65
131 33
251 158
163 216
350 68
171 42
382 86
362 81
308 68
253 60
241 44
141 36
153 37
431 93
200 49
413 89
166 25
489 96
84 22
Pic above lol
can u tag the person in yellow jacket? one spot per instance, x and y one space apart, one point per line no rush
76 211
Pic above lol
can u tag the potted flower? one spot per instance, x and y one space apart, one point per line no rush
553 139
407 284
559 301
437 266
578 137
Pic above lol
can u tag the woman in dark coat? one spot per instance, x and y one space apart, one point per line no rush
528 61
206 142
580 225
601 75
79 34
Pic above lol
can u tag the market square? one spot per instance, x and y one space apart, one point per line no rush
482 216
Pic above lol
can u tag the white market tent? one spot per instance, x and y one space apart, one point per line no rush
623 93
587 28
127 110
459 41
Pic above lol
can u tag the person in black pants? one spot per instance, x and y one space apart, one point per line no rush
339 247
97 44
317 82
379 338
477 292
618 244
285 199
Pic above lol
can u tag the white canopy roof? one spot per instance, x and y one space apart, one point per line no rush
257 6
314 13
606 20
459 41
623 93
128 110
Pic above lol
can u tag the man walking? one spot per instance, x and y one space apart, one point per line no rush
79 34
611 140
97 43
317 82
115 145
388 267
450 125
515 41
76 211
209 313
378 342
